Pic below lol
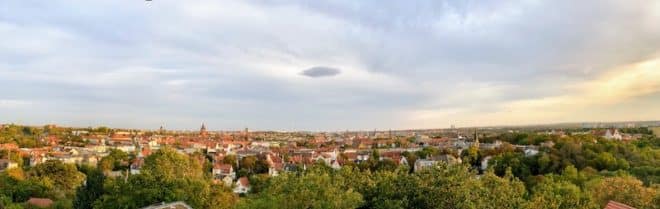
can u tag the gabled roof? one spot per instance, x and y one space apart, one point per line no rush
40 202
172 205
243 181
617 205
223 168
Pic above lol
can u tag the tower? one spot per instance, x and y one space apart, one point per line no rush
476 138
202 130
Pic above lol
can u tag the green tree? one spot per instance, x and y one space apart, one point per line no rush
62 178
115 160
167 164
166 176
627 190
553 193
320 190
248 163
92 190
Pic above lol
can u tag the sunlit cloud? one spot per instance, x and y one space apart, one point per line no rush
591 98
421 64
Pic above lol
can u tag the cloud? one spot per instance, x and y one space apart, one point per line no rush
408 64
10 103
320 71
615 93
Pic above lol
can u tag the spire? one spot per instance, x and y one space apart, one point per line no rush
202 130
476 138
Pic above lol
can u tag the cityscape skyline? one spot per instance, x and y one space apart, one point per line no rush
296 65
558 126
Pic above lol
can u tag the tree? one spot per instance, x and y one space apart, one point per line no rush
627 190
167 164
248 163
386 164
166 176
92 190
6 203
261 165
553 193
320 190
230 159
496 192
115 160
62 178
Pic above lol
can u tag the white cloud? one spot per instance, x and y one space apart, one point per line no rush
11 104
403 64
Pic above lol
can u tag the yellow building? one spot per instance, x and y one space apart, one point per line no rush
656 131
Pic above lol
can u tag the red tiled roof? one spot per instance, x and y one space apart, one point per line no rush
244 181
224 168
617 205
41 202
8 146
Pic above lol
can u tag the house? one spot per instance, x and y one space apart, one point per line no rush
172 205
275 164
395 156
617 205
612 134
275 169
335 165
9 146
40 202
242 185
136 166
609 134
529 151
449 159
422 164
91 160
7 164
221 171
37 158
548 144
484 163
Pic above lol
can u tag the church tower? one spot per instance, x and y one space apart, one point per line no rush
202 131
476 138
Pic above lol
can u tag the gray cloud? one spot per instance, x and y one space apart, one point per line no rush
176 63
320 71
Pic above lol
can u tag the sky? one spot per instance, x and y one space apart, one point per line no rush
327 65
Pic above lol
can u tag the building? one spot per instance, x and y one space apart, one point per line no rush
40 202
202 131
172 205
609 134
7 164
617 205
422 164
242 186
221 171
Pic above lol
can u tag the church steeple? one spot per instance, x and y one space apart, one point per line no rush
202 130
476 138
